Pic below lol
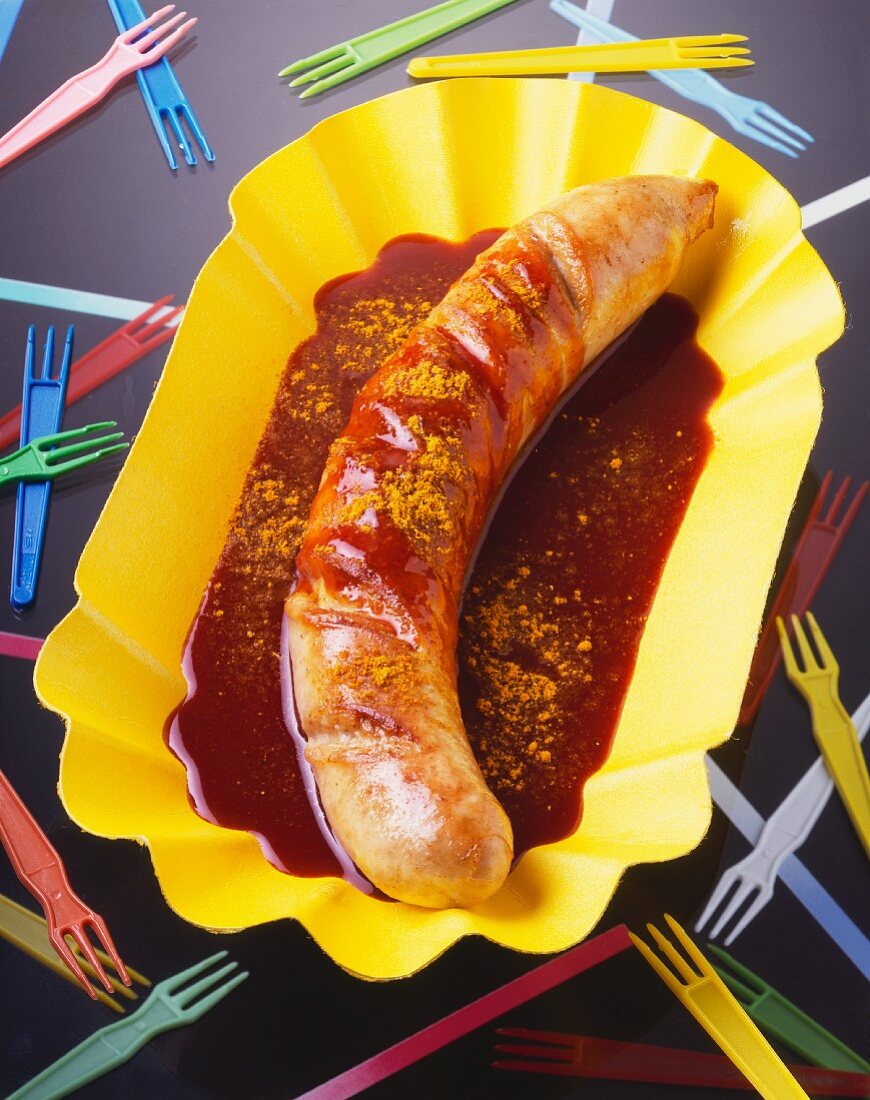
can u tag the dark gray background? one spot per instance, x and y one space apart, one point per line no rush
96 208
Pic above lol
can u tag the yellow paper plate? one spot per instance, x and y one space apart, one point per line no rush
446 159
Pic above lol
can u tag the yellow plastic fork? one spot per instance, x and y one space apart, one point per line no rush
695 52
712 1004
832 727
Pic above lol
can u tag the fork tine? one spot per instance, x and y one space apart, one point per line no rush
327 69
735 903
809 658
744 127
108 945
842 489
175 981
60 455
151 311
196 130
829 661
751 912
145 334
314 59
713 51
188 994
130 35
710 39
849 514
775 116
723 887
48 353
63 949
727 962
688 945
673 956
150 44
331 81
788 657
763 123
666 975
63 373
181 137
80 936
207 1003
30 355
47 441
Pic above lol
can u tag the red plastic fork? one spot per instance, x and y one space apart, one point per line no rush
83 90
41 869
124 347
564 1055
816 549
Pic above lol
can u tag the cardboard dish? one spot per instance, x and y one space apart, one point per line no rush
444 159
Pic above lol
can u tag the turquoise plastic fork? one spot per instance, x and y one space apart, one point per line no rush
173 1003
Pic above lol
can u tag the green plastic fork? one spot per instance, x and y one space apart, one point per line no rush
172 1003
50 456
778 1017
358 55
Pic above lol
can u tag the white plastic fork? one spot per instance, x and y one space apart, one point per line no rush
83 90
786 829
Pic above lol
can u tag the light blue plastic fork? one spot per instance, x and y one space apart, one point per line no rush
752 117
163 95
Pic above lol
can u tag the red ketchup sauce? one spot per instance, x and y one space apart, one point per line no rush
555 605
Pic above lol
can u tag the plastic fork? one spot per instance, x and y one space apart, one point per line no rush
777 1016
126 54
696 51
752 117
784 832
40 868
835 735
42 412
51 456
163 96
700 989
817 547
173 1003
555 1053
358 55
28 932
124 347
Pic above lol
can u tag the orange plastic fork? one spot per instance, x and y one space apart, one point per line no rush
40 868
83 90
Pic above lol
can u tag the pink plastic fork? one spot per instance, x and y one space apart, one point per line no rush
40 868
85 89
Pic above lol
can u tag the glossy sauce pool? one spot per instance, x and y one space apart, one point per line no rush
556 603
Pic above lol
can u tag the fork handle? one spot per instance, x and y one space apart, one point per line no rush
70 100
732 1030
101 1052
838 741
29 849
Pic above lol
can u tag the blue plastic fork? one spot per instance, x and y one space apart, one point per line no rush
41 414
163 95
752 117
